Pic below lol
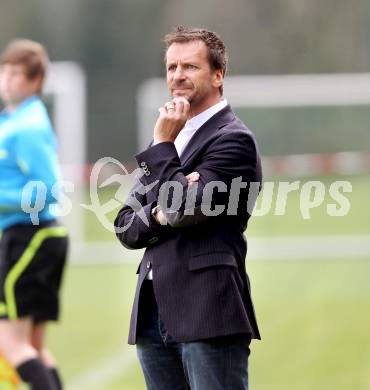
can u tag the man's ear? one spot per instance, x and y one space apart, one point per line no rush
218 78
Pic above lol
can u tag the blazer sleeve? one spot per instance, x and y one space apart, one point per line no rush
232 156
134 225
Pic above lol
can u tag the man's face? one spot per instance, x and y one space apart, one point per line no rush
189 74
15 86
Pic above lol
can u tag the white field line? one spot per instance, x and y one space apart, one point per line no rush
104 371
272 248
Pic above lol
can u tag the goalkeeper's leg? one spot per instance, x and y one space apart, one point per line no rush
15 346
38 337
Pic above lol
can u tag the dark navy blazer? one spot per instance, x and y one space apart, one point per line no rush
198 261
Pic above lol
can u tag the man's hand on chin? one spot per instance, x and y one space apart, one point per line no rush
172 118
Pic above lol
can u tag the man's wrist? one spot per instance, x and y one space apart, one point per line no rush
158 215
160 140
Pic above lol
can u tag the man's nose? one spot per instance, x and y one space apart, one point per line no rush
179 73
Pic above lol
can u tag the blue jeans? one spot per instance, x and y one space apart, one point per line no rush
213 364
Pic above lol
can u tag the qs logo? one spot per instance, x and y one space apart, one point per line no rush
122 179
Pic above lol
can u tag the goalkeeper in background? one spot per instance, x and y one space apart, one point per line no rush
33 246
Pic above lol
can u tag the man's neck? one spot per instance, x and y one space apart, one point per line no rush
203 106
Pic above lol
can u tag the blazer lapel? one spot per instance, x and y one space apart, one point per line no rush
216 122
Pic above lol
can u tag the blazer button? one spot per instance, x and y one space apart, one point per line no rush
153 240
143 164
148 264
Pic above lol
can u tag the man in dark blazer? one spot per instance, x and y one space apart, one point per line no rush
193 317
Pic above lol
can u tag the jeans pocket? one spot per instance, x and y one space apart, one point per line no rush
166 337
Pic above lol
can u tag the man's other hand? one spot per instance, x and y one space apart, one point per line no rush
159 216
192 177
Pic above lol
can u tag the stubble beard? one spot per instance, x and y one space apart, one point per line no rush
195 97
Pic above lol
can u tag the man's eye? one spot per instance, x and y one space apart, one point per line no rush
190 66
171 68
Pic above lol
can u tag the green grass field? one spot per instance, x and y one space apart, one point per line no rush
314 315
314 319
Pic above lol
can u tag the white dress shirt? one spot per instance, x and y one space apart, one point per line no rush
193 124
190 128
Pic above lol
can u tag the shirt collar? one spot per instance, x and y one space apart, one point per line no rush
25 103
199 120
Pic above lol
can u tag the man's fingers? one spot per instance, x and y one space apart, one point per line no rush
179 105
180 99
170 107
182 105
193 177
162 111
186 107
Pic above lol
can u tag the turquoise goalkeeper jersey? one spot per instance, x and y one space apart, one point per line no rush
27 156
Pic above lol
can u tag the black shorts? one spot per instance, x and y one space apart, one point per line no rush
32 260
